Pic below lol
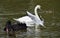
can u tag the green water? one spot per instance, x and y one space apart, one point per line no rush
50 11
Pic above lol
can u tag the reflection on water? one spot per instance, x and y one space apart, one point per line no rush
31 32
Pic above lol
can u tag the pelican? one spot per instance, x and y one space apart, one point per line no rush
31 19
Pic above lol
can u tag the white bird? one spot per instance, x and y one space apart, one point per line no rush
35 17
31 19
25 19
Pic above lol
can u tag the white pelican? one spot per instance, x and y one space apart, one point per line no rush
31 19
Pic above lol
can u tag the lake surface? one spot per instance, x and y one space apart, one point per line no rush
50 12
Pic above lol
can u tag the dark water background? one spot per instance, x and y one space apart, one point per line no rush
50 11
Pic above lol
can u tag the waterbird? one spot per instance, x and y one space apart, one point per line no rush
36 18
31 19
11 28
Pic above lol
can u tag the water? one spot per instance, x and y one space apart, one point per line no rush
17 8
